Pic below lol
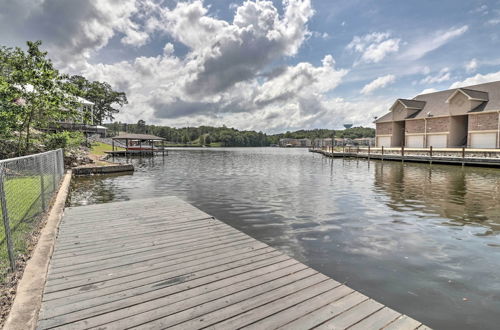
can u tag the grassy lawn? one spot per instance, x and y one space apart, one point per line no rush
23 204
99 148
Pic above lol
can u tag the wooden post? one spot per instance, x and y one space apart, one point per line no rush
402 153
430 151
140 147
368 151
382 152
6 224
163 148
463 156
126 147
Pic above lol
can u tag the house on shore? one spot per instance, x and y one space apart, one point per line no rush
459 117
301 143
82 122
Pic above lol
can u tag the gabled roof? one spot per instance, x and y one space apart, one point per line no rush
412 104
472 95
385 118
435 103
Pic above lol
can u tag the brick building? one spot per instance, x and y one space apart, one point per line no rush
468 116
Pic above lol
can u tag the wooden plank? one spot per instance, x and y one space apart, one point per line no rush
143 257
403 323
124 310
106 227
202 281
140 243
209 316
325 313
148 250
276 306
139 283
211 303
377 320
77 249
182 228
181 263
304 308
353 315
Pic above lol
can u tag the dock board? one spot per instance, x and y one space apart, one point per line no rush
162 263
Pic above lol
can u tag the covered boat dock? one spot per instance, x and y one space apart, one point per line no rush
137 144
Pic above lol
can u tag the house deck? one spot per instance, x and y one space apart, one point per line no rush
162 263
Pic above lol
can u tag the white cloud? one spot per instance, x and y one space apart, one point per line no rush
428 90
374 47
380 82
72 30
477 79
427 44
471 66
443 75
482 9
226 75
493 21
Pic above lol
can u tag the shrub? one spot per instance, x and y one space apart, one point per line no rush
65 139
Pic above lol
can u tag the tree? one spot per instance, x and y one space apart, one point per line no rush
33 92
106 101
141 126
208 140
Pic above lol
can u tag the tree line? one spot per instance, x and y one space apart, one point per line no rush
231 137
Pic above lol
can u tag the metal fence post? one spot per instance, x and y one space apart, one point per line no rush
54 169
42 192
6 224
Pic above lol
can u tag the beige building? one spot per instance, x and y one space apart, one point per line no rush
461 117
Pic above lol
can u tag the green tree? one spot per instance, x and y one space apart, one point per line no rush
106 101
35 93
141 126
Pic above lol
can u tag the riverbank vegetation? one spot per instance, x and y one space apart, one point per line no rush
35 98
230 137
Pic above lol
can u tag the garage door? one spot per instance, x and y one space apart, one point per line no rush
483 140
436 141
415 141
384 141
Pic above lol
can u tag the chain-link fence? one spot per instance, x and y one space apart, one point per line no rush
27 185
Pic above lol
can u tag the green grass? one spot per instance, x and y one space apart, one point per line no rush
99 148
23 205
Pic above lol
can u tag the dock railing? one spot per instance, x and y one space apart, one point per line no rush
421 152
27 185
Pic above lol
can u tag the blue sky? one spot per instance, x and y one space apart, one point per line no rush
264 65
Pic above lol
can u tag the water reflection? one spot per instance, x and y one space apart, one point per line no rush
419 238
461 195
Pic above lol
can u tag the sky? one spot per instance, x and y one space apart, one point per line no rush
269 66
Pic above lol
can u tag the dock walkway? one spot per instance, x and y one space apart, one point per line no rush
467 161
162 263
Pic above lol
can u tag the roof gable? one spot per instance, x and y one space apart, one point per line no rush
472 95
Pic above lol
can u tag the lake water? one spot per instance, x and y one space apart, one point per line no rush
422 239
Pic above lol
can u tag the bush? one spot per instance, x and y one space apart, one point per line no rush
67 140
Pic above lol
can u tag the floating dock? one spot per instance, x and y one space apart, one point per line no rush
162 263
450 160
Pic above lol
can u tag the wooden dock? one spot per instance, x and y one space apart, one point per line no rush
463 161
162 263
